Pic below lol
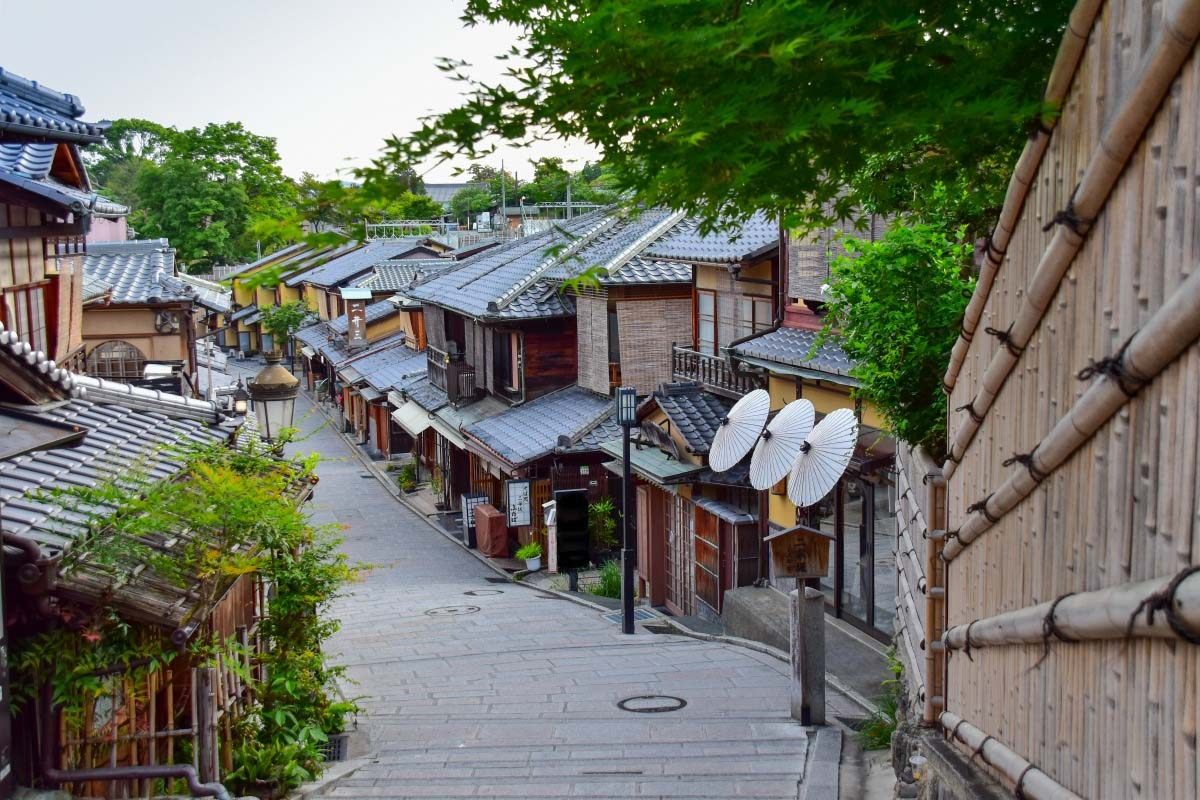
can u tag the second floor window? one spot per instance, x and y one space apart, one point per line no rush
706 321
754 315
25 314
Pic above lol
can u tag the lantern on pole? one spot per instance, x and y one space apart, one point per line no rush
273 393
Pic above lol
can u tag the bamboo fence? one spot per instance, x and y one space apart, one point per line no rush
1071 601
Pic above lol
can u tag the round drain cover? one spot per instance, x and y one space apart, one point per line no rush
651 703
483 592
451 611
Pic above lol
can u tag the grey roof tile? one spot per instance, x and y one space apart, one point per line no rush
380 309
529 431
794 347
695 413
28 109
444 192
754 237
31 159
387 367
333 346
211 295
399 275
353 263
425 394
141 271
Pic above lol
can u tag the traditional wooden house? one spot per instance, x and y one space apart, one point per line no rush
46 208
150 723
140 312
1050 559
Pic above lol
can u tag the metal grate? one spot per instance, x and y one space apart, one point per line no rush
639 615
335 748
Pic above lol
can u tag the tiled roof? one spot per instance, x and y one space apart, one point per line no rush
332 345
640 269
425 394
211 295
385 368
353 263
28 109
93 288
398 276
60 382
278 256
140 271
244 312
695 413
27 165
444 192
376 311
792 347
531 430
754 237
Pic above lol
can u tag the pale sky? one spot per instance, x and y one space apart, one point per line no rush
328 80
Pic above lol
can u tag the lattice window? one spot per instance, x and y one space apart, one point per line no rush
116 360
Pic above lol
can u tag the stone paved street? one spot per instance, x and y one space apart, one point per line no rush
481 689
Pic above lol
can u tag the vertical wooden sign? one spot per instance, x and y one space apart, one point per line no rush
356 322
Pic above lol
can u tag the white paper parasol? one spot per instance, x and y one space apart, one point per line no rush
776 449
739 430
823 458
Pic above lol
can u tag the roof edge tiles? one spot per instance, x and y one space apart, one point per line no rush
586 238
61 123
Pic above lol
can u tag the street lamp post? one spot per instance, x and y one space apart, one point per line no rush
626 416
273 392
241 400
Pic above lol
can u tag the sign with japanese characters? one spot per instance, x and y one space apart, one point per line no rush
356 322
519 511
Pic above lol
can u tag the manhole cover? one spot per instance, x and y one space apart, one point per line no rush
482 592
451 611
651 703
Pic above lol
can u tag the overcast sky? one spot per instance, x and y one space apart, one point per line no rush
329 80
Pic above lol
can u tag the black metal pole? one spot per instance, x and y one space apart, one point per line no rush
626 542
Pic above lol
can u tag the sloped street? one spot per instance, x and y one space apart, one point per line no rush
474 688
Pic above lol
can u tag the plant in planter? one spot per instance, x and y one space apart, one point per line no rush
609 580
435 485
407 479
602 526
267 771
531 554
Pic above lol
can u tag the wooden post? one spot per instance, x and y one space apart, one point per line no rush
206 726
808 656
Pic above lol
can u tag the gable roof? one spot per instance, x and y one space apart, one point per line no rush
139 271
29 110
399 275
27 166
791 347
747 240
211 295
520 434
695 413
444 192
352 263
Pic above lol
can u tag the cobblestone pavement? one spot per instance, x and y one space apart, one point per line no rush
480 689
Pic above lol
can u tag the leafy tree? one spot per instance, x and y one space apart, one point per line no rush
283 320
468 202
725 108
896 304
126 142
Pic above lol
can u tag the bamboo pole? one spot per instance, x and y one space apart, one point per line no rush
1111 613
1032 782
1181 26
1070 51
1163 338
935 601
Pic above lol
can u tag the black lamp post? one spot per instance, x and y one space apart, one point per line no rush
274 392
626 416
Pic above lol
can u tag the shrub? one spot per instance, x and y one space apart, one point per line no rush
876 733
407 479
531 550
609 584
895 307
602 524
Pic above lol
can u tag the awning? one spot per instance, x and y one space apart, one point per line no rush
307 352
724 511
448 420
369 394
653 464
349 375
412 418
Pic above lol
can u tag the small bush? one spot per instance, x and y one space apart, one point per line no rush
876 733
407 479
531 550
609 583
602 524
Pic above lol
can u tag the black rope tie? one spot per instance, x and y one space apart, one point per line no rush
1019 791
1114 367
1026 461
981 506
1050 628
953 458
1068 217
950 535
979 750
946 388
970 409
967 646
1164 601
1005 337
954 733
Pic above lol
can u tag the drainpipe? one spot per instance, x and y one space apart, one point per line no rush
54 775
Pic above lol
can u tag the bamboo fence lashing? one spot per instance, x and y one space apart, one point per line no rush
1070 51
1028 781
1164 337
1142 609
1181 26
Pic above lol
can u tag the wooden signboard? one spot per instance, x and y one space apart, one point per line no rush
356 322
799 552
519 510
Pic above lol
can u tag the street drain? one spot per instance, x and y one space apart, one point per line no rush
451 611
613 772
651 703
483 592
494 579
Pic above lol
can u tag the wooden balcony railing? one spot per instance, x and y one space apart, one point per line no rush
713 372
451 374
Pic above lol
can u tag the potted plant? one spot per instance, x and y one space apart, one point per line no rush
407 479
268 771
602 527
435 485
531 554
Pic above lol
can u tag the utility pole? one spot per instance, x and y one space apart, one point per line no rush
503 215
568 195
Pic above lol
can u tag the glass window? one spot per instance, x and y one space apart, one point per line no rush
706 322
885 564
857 569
